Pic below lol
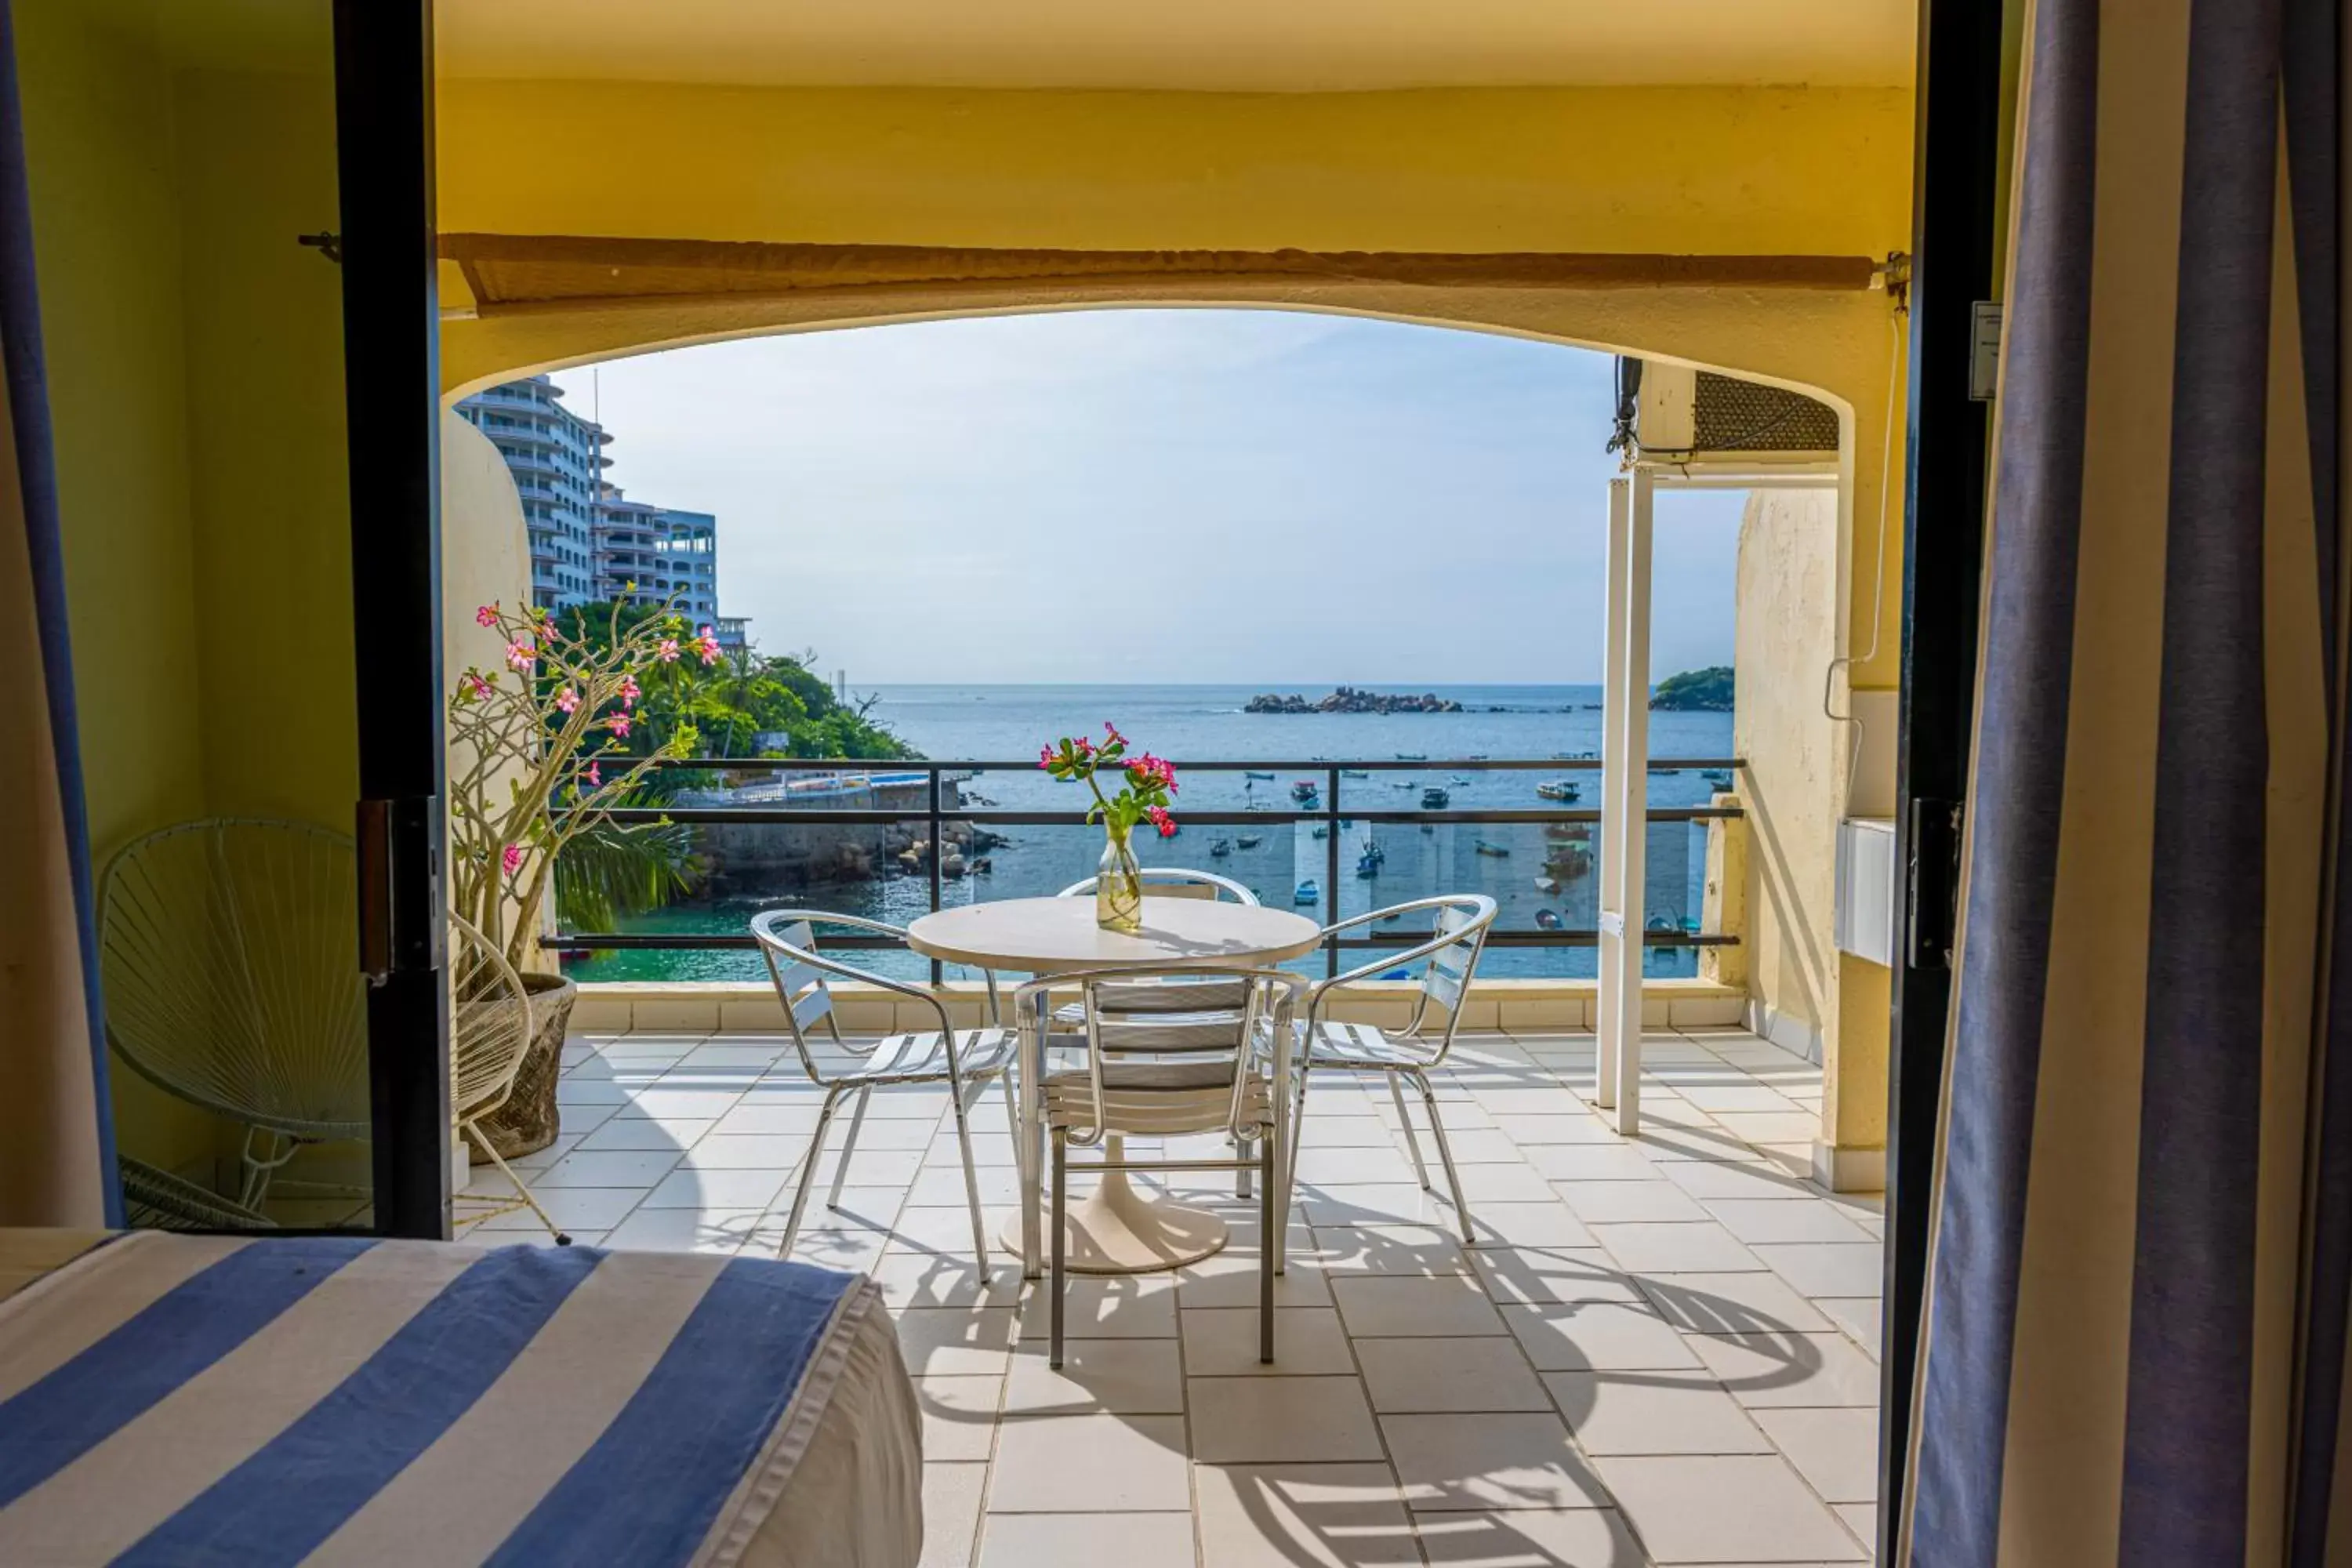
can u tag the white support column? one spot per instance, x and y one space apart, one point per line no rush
1612 767
1633 807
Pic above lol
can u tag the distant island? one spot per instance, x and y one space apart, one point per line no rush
1696 691
1347 700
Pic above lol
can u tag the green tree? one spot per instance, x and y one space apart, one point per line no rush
1695 690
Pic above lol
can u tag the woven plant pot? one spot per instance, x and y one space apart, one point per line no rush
526 1122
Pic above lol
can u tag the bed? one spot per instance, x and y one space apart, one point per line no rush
170 1399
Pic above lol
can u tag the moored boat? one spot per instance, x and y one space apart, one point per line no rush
1487 847
1307 892
1559 789
1434 799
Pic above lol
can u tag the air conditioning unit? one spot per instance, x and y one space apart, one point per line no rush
1700 422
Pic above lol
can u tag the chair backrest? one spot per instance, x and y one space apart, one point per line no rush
229 977
490 1022
1174 882
1459 937
803 976
1213 1070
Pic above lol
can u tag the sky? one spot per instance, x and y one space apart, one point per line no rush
1258 497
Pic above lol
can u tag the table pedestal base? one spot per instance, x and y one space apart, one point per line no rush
1117 1230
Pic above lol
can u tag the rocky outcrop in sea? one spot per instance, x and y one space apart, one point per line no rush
1347 700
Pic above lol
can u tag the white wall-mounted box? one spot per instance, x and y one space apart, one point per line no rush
1867 905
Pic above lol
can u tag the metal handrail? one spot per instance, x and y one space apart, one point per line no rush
1329 774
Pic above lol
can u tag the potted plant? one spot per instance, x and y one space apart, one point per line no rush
1149 783
539 758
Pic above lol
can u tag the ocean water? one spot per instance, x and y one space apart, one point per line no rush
1008 724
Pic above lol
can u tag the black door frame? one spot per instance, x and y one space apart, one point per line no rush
383 123
1955 238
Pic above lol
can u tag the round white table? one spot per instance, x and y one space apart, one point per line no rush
1117 1230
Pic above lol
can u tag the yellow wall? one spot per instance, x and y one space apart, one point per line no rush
196 388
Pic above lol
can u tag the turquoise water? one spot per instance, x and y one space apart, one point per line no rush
1009 723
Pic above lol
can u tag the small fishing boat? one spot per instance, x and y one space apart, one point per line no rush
1369 863
1302 791
1354 773
1413 756
1321 831
1403 784
1546 885
1221 848
1307 892
1487 847
1559 789
1719 777
1249 840
1460 782
1548 919
1568 832
1254 773
1434 799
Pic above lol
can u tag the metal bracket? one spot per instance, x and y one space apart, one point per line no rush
401 924
326 242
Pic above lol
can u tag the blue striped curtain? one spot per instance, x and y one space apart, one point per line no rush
2134 1342
57 1155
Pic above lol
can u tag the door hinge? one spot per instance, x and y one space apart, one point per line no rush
1931 883
401 924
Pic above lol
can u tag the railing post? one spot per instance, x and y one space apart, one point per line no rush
938 853
1331 868
1725 911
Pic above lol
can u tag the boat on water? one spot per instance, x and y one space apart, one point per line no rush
1559 789
1254 773
1489 847
1546 884
1413 756
1434 799
1302 791
1221 848
1249 840
1369 862
1719 777
1354 773
1461 781
1321 831
1548 919
1307 892
1403 784
1258 805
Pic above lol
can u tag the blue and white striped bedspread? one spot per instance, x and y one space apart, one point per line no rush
198 1399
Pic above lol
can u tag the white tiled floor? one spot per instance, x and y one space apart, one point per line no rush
1660 1351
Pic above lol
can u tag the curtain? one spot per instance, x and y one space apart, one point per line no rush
57 1156
2133 1345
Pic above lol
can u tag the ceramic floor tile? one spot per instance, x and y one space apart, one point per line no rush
576 1209
1860 1316
1122 1377
943 1227
1357 1166
685 1102
1732 1304
1078 1464
1653 1413
1229 1278
951 1495
1719 1510
1718 1098
1281 1420
1835 1450
933 1279
1285 1516
645 1133
1528 1538
1525 1274
1533 1131
1771 1126
1087 1540
1446 1305
1591 1163
871 1167
1829 1268
958 1417
1861 1520
688 1188
1529 1224
1704 1247
1629 1203
769 1118
1392 1250
1482 1146
1722 1179
1446 1463
684 1230
942 1186
1786 1371
1396 1202
1308 1342
1106 1307
1597 1336
639 1168
940 1341
1548 1101
1413 1376
1483 1185
1774 1220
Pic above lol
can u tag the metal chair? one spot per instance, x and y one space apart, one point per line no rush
490 1034
1211 1073
1461 921
1173 882
225 959
961 1059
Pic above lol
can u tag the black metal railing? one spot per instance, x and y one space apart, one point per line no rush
1329 811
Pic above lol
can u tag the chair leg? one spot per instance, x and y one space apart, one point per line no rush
849 1147
808 1172
1289 1167
1445 1154
1244 1149
1054 1282
1405 1120
1269 1246
1012 1123
523 1190
971 1188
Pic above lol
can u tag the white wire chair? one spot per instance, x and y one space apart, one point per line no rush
1214 1073
228 969
490 1034
1461 922
962 1060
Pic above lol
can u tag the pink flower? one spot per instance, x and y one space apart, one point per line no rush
629 692
1112 731
511 859
567 699
521 654
667 650
1044 756
1084 747
1158 816
619 724
488 615
473 688
709 648
595 772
